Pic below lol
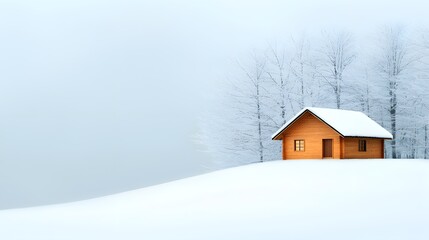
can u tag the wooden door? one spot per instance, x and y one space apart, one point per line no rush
327 148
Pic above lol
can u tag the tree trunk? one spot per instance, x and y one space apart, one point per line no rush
258 107
426 141
393 104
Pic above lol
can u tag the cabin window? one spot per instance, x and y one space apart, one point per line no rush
362 145
299 145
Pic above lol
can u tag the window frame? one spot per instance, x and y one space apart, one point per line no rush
362 146
301 145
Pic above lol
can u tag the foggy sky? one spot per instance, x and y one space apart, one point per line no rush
98 97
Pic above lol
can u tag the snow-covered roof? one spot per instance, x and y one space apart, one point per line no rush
345 122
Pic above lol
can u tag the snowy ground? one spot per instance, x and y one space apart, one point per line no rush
352 199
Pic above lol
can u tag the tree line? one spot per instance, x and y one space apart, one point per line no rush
384 75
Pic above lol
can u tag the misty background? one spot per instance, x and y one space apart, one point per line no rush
99 97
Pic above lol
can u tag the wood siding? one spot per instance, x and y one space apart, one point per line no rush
374 148
313 131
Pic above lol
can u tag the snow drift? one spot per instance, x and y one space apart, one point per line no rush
332 199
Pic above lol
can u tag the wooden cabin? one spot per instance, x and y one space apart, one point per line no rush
320 133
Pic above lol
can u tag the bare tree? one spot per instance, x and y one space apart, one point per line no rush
278 74
298 65
336 55
251 118
236 132
393 62
256 78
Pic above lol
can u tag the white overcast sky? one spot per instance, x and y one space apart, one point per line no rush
98 97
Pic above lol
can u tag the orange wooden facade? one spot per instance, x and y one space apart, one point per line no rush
314 131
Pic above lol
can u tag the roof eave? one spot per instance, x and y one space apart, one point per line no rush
386 138
276 137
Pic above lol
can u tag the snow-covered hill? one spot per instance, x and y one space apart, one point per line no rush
351 199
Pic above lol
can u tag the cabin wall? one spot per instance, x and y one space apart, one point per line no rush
374 148
312 131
